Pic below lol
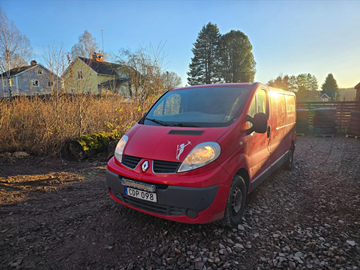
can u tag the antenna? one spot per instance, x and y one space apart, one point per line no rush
102 38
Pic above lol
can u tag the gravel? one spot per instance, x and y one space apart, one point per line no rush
58 215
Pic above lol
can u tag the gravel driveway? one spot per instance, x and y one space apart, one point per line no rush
56 215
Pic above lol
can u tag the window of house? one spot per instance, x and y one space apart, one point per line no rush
35 83
50 84
90 74
5 82
72 90
88 90
80 74
40 72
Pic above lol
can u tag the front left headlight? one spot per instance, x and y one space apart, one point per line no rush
120 147
201 155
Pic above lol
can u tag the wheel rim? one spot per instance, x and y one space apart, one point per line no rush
237 200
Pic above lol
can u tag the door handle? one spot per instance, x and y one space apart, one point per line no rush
268 131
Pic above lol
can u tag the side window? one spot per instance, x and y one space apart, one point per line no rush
259 103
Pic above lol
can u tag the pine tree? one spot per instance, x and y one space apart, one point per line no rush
237 60
330 86
204 66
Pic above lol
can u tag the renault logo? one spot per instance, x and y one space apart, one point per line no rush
145 166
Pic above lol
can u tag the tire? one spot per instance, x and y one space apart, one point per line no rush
329 124
327 118
325 130
325 111
289 164
235 203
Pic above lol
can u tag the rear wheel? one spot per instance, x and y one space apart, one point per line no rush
236 202
289 164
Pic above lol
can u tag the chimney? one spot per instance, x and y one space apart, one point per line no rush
33 63
97 57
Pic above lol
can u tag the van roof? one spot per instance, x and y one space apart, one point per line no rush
213 85
253 85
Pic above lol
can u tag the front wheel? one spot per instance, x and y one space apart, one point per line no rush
236 202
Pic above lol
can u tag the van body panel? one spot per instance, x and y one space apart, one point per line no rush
259 154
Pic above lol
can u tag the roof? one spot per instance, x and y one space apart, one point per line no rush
15 71
325 96
357 86
105 68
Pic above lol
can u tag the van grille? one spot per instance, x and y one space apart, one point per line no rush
154 207
130 161
161 166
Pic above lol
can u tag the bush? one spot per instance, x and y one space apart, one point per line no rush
44 126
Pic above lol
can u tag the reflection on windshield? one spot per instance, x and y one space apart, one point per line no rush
199 107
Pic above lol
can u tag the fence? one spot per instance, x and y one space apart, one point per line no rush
343 111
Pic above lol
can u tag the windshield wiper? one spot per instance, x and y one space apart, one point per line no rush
158 121
184 125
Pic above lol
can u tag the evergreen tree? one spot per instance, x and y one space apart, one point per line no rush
204 66
237 60
330 86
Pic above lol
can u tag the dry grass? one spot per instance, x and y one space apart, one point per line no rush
42 126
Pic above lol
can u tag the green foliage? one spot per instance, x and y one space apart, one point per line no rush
237 60
205 65
305 86
97 141
330 87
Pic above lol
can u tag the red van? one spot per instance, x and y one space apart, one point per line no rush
200 150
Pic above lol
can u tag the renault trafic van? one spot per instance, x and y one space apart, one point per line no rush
199 150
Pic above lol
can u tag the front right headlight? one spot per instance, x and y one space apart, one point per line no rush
201 155
120 147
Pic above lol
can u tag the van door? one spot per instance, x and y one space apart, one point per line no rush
258 147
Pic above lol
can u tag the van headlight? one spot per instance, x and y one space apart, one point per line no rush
120 147
201 155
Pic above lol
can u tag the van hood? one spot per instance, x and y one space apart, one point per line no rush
168 143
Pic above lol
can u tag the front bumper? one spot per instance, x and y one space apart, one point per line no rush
179 203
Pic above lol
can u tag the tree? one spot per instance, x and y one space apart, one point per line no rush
305 85
237 60
85 47
205 65
171 80
330 87
15 49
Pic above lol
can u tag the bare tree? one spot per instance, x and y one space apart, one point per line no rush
15 49
145 68
55 60
85 47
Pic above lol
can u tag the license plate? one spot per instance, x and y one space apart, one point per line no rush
140 194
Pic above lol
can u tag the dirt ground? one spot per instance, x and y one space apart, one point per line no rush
57 214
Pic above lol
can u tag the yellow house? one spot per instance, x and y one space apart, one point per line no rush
86 76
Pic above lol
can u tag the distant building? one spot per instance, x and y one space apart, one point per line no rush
28 80
357 87
94 76
324 97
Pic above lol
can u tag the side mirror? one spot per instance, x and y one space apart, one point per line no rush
259 122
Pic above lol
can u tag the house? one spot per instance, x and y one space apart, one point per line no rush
95 76
324 97
357 87
28 80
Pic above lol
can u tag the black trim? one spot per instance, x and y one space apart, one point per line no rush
186 132
174 200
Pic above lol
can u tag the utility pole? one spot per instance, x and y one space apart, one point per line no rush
102 38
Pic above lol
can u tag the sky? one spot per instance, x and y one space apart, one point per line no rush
288 37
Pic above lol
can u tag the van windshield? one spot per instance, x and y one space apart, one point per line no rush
199 107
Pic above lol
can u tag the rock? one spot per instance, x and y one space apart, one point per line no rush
199 265
20 155
298 254
351 243
241 228
238 247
